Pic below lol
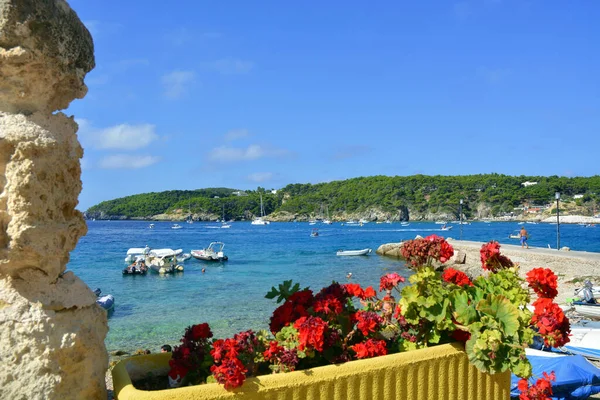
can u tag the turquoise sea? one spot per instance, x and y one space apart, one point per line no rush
152 310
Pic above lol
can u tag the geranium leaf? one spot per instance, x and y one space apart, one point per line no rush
501 310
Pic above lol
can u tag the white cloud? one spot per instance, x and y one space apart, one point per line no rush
250 153
118 137
230 66
260 177
176 82
120 161
236 134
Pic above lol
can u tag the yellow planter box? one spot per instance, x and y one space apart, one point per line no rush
440 372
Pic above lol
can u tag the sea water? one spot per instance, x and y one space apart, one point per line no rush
153 309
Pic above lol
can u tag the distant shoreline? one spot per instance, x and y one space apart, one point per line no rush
564 219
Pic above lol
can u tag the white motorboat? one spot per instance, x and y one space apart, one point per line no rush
445 228
260 220
151 226
183 257
133 254
176 226
362 252
584 341
589 310
214 252
163 261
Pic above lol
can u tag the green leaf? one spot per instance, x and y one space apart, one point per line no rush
464 313
284 292
501 309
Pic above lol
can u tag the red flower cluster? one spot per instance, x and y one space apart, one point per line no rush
390 281
190 355
551 322
543 282
311 332
328 305
491 259
459 278
354 290
228 369
295 306
367 321
542 390
420 252
285 359
370 348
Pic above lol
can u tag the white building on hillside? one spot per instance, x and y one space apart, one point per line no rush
529 183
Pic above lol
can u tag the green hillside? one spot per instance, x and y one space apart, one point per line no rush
396 196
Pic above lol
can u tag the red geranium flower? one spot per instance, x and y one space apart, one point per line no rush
231 373
367 321
543 282
311 332
389 281
370 348
491 259
459 278
201 331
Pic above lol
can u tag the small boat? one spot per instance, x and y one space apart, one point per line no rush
589 310
214 252
445 228
576 377
135 254
314 233
183 257
136 268
362 252
151 226
585 342
515 235
163 261
225 225
260 220
107 301
176 226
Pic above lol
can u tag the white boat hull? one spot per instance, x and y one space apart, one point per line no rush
584 341
362 252
588 310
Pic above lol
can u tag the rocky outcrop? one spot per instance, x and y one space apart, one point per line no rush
51 330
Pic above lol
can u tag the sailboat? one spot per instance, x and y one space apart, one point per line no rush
260 220
224 224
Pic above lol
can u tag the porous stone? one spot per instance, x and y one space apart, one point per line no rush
51 329
45 52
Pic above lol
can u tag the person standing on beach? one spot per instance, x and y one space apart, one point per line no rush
524 236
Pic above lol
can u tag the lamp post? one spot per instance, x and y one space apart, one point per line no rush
460 216
557 197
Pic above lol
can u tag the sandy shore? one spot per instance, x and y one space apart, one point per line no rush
571 267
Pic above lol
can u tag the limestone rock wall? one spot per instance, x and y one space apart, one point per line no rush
51 329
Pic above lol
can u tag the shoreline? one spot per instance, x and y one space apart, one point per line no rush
571 267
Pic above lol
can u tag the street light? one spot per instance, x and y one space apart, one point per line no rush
460 216
557 197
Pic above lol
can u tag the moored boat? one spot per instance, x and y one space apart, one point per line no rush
163 261
214 252
589 310
107 301
362 252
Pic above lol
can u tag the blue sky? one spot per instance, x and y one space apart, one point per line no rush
240 94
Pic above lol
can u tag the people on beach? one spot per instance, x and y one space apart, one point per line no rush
524 236
166 348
